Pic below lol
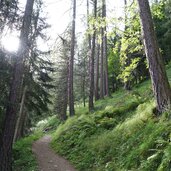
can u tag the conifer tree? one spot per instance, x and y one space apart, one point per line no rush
92 56
157 70
6 137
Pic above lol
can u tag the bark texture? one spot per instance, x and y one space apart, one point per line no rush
97 74
91 91
21 117
71 64
101 67
89 36
106 82
84 83
157 70
6 138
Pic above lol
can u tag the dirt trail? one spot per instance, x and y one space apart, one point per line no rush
47 159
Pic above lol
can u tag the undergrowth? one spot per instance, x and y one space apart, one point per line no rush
122 133
47 125
23 158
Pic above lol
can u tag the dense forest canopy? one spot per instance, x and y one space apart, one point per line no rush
51 66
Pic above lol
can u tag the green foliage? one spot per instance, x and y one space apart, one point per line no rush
114 63
72 143
72 139
39 83
23 158
157 10
5 77
118 135
161 17
48 125
139 142
81 77
112 147
122 133
109 117
127 75
113 60
61 52
81 110
96 24
131 52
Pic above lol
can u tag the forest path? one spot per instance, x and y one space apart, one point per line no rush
47 159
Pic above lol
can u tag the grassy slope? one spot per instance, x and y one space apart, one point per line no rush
121 134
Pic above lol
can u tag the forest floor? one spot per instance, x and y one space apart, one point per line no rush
47 159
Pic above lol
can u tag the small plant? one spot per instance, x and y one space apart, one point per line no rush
23 158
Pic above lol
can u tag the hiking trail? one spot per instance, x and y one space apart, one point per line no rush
47 159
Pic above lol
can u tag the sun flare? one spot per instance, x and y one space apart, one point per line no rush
10 43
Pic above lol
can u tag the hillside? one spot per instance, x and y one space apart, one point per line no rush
122 133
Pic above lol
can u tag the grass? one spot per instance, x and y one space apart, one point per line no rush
122 133
48 125
139 142
24 160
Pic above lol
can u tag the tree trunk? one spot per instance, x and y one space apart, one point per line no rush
83 86
83 89
62 83
64 95
157 70
71 63
21 117
89 37
91 93
97 74
101 68
6 137
106 81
